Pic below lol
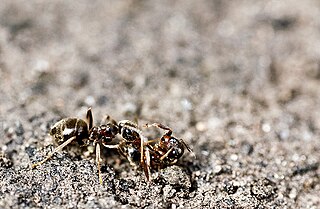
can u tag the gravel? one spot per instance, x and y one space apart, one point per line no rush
239 81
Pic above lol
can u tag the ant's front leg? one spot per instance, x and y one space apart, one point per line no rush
98 161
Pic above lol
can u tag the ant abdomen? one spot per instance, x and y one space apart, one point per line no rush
70 127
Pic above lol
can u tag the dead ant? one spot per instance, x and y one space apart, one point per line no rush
82 132
167 150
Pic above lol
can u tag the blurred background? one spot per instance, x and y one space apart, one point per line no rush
239 81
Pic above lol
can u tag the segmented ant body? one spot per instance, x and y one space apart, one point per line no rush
167 150
133 145
82 132
157 153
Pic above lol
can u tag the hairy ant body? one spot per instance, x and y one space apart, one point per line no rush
167 150
83 133
132 145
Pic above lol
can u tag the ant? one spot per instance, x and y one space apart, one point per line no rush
83 133
168 149
137 148
132 146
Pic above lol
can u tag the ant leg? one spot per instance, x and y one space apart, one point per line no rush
145 156
144 141
188 148
151 141
60 147
131 162
142 152
98 160
167 153
89 118
159 125
146 164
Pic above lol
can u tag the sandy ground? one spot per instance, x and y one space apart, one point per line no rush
239 81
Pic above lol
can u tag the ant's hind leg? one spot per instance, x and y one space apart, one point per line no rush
89 118
60 147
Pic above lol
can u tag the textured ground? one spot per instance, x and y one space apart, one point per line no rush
239 81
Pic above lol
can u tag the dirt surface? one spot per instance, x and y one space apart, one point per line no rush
239 81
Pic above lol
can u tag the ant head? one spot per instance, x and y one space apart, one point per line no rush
173 144
105 133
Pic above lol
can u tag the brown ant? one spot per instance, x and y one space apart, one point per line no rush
138 149
168 149
82 132
132 145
